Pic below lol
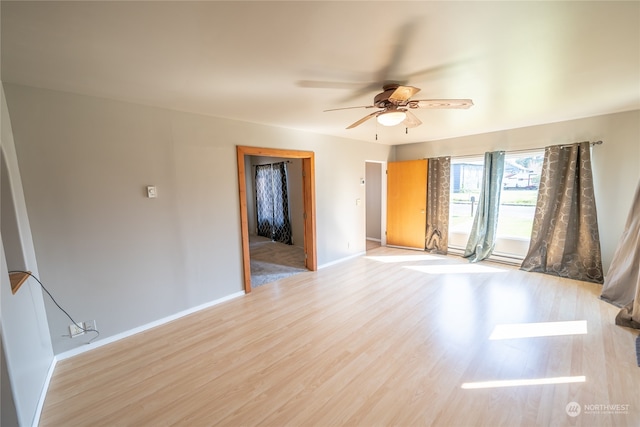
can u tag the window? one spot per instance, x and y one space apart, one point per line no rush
466 180
517 201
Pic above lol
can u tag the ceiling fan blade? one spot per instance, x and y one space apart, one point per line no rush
411 121
438 71
348 108
319 84
440 103
362 120
362 91
399 47
403 93
388 73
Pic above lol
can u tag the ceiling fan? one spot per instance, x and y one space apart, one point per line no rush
395 103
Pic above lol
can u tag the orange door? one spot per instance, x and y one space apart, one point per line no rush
407 203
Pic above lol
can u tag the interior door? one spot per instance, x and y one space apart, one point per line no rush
407 203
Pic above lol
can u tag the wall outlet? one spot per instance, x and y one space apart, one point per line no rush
152 191
75 330
90 325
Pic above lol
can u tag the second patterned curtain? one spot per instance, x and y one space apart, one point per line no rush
565 240
622 284
272 202
438 191
482 238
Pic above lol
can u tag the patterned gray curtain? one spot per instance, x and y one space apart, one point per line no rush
622 284
272 202
264 200
565 240
438 191
482 238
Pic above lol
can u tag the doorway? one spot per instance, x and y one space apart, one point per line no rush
376 201
308 202
276 218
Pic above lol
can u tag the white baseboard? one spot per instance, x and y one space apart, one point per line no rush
495 257
506 259
117 337
338 261
43 393
373 239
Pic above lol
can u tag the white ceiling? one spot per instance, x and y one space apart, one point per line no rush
283 63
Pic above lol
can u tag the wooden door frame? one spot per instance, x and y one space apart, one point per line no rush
308 196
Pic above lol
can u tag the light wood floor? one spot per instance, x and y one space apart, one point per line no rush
387 339
372 244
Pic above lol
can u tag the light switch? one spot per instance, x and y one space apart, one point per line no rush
152 192
357 202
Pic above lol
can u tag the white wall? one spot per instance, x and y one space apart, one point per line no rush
110 254
24 331
616 163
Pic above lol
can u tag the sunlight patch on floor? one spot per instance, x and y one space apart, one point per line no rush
543 329
524 382
455 269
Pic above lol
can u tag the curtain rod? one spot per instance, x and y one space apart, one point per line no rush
524 150
264 164
592 143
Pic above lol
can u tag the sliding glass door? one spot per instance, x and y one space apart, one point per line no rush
466 181
517 202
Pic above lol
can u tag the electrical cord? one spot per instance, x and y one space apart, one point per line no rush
58 305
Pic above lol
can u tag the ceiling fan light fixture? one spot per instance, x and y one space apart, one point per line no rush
391 118
395 105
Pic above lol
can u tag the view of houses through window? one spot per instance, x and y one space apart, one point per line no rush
466 179
517 201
